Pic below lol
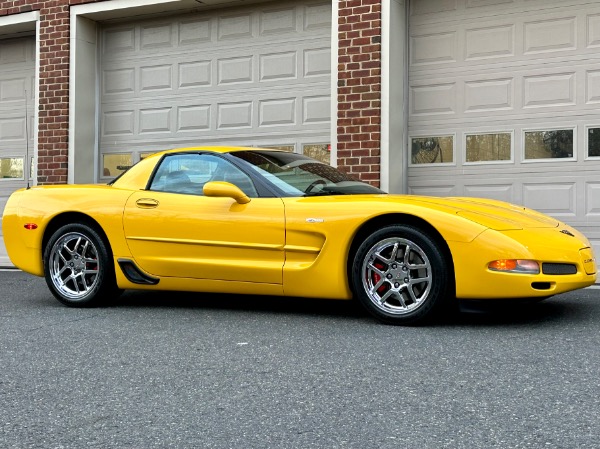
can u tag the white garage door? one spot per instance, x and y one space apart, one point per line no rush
246 76
17 67
504 103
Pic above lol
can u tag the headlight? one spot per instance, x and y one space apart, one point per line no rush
515 266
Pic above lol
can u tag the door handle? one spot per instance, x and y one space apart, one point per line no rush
147 203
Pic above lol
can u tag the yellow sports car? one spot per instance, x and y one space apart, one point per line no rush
267 222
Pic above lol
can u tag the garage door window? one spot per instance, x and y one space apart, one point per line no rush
593 142
318 151
115 164
432 150
11 168
495 147
549 144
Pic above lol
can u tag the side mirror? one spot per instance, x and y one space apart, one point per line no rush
225 190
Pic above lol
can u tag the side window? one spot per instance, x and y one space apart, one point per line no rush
187 173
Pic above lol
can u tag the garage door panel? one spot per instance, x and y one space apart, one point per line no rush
221 31
558 199
494 39
550 34
489 95
278 21
547 90
13 87
297 66
17 65
433 190
15 52
434 48
500 192
12 129
433 99
519 92
422 7
592 200
280 107
250 75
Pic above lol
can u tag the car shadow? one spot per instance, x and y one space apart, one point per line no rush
558 309
243 303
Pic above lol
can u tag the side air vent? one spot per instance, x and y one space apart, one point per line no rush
134 274
559 268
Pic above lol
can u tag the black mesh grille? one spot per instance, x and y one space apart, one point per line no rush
559 268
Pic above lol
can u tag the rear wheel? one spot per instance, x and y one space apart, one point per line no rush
400 275
78 267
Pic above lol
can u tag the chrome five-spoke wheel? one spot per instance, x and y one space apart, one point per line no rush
400 274
397 275
74 265
78 266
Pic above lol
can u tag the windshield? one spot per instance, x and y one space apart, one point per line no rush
298 175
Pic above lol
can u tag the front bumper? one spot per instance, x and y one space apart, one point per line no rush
475 281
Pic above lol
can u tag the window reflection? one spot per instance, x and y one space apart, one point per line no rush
318 151
550 144
488 147
11 168
430 150
593 142
115 164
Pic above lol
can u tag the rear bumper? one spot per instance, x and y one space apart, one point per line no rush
23 246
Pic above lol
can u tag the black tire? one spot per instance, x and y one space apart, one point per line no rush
400 275
79 268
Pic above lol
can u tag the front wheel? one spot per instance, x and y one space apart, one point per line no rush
78 267
400 275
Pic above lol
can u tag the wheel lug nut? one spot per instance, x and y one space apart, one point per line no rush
406 280
396 285
394 266
404 269
389 276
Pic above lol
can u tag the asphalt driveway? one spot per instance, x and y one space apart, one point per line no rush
221 371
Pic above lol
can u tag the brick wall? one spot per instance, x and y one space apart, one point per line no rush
359 88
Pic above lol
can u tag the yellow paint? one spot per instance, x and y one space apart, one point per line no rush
207 237
292 246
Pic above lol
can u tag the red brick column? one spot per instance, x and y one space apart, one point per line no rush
359 89
53 135
53 113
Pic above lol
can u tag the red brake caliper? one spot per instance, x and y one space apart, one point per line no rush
377 277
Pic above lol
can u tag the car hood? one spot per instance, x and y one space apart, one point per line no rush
493 214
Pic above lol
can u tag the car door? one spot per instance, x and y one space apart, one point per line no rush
172 229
